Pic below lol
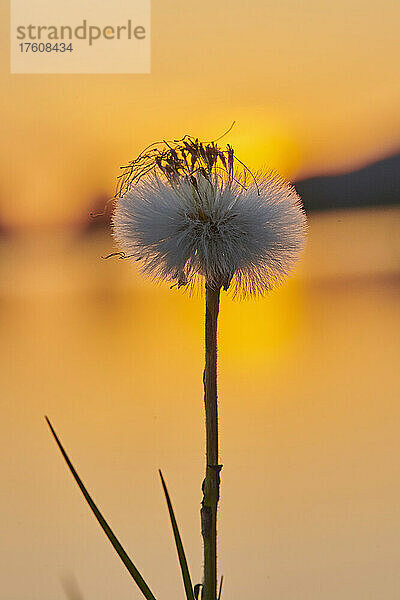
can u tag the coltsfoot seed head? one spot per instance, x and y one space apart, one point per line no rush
235 232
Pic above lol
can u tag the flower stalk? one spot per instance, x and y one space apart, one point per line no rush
192 212
211 483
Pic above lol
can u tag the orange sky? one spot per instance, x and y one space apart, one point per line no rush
313 86
309 407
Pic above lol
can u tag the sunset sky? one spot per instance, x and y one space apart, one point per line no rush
309 386
313 87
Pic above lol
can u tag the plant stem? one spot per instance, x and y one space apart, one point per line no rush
211 482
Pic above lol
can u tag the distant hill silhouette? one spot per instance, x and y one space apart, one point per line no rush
375 185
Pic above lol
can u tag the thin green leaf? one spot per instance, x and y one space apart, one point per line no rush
197 589
104 525
179 546
220 587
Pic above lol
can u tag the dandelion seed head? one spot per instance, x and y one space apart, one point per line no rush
234 232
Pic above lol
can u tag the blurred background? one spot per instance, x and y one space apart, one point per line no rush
309 382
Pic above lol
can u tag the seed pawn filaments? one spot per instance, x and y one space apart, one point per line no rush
191 210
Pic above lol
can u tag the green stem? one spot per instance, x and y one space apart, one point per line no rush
211 482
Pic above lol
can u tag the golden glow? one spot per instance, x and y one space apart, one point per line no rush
309 408
311 85
266 143
309 417
262 332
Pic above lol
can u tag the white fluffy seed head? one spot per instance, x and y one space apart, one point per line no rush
232 232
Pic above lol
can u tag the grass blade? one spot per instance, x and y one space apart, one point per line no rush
144 588
220 587
179 546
